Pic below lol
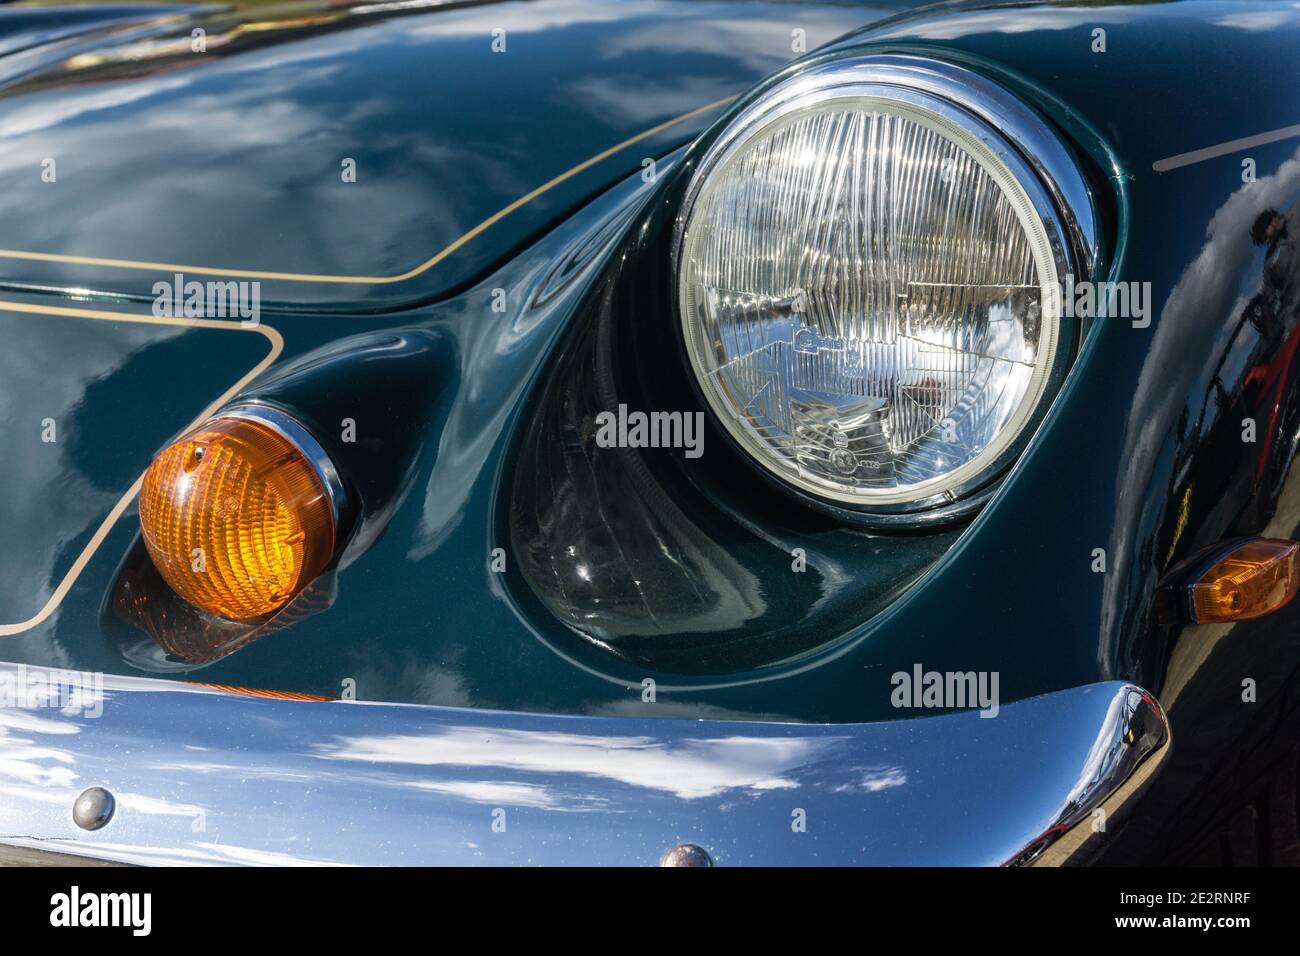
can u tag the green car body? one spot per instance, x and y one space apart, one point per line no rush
464 251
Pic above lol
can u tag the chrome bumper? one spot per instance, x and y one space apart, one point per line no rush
207 776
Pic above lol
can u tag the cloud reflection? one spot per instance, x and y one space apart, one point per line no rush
688 769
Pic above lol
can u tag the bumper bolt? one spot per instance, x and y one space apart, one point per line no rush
94 808
688 854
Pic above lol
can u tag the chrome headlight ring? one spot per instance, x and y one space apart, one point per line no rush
1016 151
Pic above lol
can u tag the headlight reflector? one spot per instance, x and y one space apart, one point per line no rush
868 281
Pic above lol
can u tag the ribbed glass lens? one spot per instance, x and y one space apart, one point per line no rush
869 299
235 518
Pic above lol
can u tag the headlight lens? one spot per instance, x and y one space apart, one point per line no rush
869 292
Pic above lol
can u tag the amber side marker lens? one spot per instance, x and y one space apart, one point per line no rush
238 516
1254 578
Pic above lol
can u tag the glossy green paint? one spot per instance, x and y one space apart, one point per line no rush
234 158
417 615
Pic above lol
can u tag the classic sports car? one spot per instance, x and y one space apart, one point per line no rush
578 432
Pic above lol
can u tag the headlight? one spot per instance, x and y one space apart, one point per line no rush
868 280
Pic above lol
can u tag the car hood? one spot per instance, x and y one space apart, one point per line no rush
419 617
135 152
349 156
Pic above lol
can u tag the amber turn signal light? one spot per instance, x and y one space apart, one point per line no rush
1253 578
241 514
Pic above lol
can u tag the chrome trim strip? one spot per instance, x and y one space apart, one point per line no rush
205 776
293 431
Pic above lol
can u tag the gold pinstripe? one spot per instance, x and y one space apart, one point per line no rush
171 267
276 340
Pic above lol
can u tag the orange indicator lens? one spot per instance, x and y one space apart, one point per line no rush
236 518
1255 578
